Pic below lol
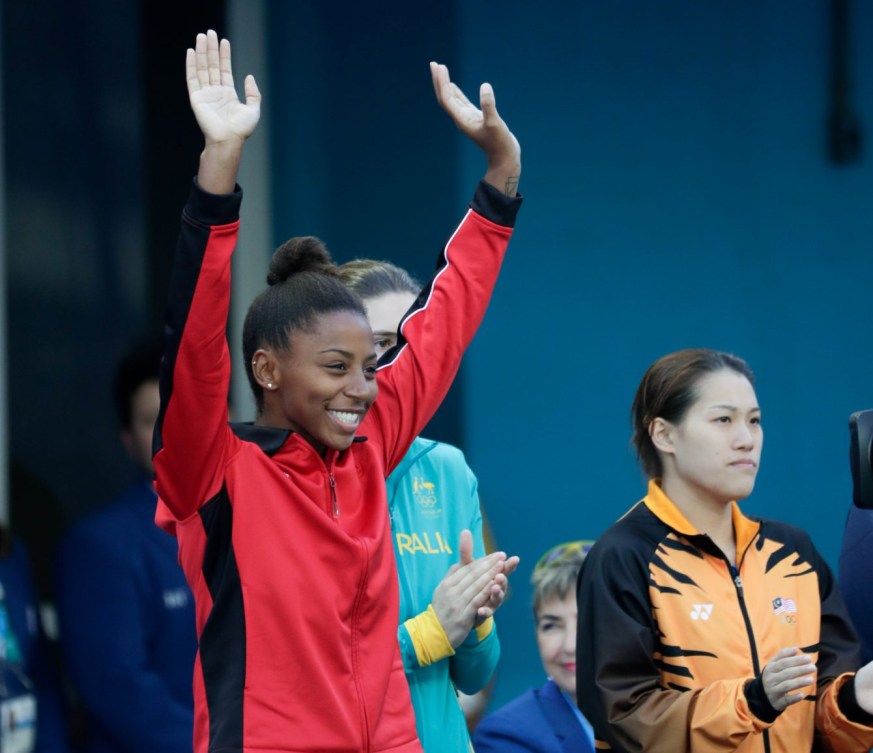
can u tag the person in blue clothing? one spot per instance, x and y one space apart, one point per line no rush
857 548
126 614
31 710
546 719
855 570
436 523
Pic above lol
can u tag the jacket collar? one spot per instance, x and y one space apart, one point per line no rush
562 719
745 529
417 450
268 438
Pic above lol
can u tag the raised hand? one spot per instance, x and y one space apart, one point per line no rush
787 672
225 121
467 587
484 126
219 112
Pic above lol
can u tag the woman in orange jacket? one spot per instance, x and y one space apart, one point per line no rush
702 629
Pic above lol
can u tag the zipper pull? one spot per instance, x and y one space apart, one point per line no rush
738 583
333 498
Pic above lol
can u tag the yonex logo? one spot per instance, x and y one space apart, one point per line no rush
701 611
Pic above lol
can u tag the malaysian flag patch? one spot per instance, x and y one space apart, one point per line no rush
781 606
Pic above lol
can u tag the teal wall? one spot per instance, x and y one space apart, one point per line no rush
361 153
678 193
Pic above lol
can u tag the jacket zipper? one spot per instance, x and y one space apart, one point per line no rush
333 499
738 584
405 586
362 705
406 580
355 669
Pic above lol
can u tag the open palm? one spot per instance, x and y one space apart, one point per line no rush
219 112
483 126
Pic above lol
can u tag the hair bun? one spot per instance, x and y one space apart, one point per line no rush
301 254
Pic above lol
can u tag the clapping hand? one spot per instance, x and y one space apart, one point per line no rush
471 590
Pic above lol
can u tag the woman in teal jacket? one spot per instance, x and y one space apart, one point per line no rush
447 634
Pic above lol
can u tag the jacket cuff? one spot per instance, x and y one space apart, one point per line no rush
484 630
429 640
847 701
758 702
209 209
494 205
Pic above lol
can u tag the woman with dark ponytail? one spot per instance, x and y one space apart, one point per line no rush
702 629
303 285
282 524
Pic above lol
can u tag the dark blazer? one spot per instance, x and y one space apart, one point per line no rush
540 721
855 573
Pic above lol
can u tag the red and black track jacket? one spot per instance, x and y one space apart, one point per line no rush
670 638
297 606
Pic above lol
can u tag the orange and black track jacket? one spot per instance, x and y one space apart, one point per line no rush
672 639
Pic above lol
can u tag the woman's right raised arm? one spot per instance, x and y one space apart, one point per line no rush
191 435
225 121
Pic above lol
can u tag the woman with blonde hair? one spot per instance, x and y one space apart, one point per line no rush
547 719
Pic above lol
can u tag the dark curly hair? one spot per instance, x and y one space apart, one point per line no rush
303 284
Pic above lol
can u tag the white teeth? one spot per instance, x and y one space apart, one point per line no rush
345 417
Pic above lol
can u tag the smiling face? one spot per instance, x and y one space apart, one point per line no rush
385 312
712 454
324 383
556 640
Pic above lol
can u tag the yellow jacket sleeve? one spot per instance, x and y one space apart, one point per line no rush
428 637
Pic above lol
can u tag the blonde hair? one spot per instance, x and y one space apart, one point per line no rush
555 574
370 278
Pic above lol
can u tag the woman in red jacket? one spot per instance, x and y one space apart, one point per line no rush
282 524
